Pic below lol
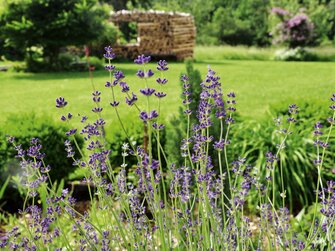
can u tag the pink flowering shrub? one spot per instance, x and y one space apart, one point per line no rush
292 30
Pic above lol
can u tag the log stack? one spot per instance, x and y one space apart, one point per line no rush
159 34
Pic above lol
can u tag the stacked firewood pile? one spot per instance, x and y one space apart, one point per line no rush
159 33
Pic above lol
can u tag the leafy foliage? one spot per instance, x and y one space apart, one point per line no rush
245 23
108 36
254 140
226 22
73 22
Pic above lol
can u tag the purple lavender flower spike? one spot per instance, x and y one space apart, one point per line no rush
65 118
231 95
119 75
293 109
140 74
188 112
291 120
153 114
60 102
109 53
219 145
147 91
96 99
108 84
220 114
270 158
124 86
333 97
96 93
132 100
97 109
187 101
144 116
184 78
230 121
109 67
114 104
317 127
34 141
142 59
161 81
160 94
162 65
71 132
158 127
20 151
83 119
10 139
149 73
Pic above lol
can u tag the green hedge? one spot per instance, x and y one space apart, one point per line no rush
24 127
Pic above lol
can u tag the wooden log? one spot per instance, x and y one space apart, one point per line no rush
159 33
184 37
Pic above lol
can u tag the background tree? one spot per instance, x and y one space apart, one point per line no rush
50 25
128 4
226 21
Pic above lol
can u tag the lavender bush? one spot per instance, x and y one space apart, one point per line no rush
173 207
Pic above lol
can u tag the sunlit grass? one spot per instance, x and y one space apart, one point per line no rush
207 53
214 53
258 84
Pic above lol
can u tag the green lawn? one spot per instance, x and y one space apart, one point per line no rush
233 53
258 84
323 53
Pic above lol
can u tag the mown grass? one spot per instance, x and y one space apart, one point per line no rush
258 84
213 53
208 53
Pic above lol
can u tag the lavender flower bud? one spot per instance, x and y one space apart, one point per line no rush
161 81
109 53
162 65
124 86
142 59
147 91
60 102
132 100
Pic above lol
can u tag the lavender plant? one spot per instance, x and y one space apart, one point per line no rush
190 206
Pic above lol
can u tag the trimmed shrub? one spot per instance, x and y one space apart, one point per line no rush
24 127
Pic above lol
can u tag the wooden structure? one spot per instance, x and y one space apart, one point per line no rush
159 34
